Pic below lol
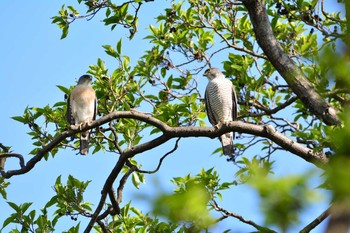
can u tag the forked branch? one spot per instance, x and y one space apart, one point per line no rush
266 131
291 73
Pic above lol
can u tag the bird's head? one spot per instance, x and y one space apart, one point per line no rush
85 79
212 73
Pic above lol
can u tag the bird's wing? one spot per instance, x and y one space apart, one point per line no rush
234 104
208 108
69 114
95 109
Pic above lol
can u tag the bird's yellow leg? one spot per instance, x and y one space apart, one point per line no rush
218 125
81 125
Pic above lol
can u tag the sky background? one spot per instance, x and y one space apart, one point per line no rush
34 60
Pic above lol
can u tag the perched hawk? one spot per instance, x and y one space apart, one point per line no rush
81 109
221 105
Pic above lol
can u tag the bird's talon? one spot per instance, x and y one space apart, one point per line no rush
218 125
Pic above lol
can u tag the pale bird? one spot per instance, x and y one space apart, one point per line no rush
221 105
81 109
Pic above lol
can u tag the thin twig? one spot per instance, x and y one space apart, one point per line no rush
161 159
239 217
316 221
122 183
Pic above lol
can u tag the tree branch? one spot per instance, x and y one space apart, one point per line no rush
339 220
267 131
122 183
240 218
291 73
106 188
161 159
14 155
315 222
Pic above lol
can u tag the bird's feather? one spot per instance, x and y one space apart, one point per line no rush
221 105
82 108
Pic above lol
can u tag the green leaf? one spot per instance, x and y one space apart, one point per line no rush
202 115
52 201
64 32
3 185
25 206
32 215
108 12
110 51
136 180
19 118
188 205
73 10
11 219
119 46
64 89
14 206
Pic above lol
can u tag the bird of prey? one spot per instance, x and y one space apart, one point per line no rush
221 105
81 109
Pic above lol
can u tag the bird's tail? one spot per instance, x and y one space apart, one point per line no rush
227 143
84 143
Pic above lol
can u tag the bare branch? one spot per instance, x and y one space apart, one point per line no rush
267 131
161 159
114 201
4 156
106 188
122 183
315 222
103 227
339 220
239 217
291 73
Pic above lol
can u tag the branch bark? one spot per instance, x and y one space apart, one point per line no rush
316 222
339 217
267 131
240 218
285 65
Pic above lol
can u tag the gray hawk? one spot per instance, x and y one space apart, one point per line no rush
81 109
221 105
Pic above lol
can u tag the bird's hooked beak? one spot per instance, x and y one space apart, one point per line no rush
88 77
206 73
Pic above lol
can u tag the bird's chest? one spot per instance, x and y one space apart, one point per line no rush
220 99
83 97
82 102
219 93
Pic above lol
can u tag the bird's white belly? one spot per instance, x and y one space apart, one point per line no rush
83 108
221 102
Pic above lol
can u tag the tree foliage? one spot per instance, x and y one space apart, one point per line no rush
289 63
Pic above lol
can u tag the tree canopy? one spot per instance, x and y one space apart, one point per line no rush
289 63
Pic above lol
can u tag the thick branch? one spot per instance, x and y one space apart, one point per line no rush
105 190
268 131
339 220
46 149
14 155
285 65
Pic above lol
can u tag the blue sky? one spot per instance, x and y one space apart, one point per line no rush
35 60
